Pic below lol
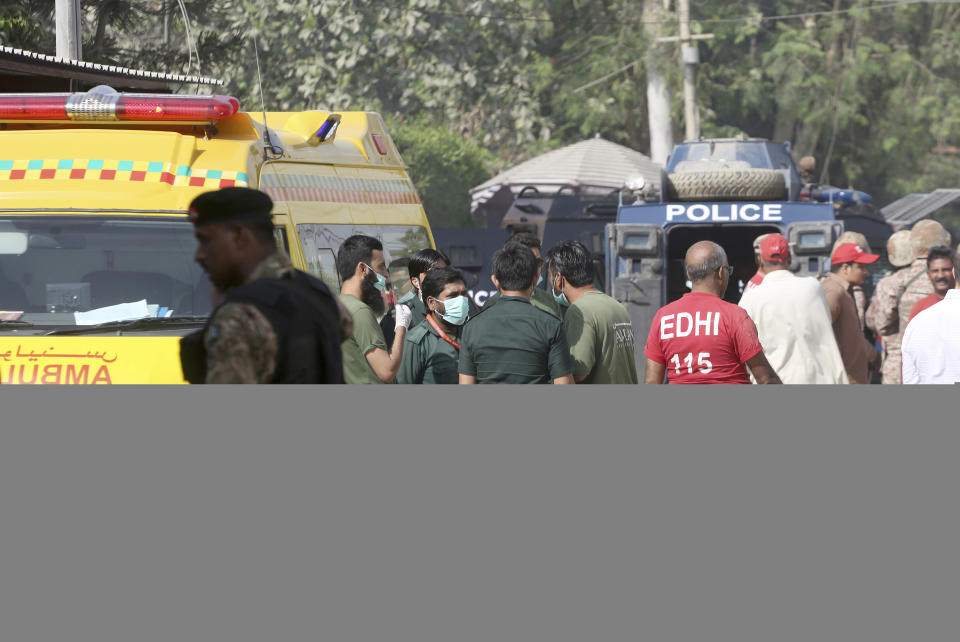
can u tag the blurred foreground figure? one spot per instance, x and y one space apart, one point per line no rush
272 323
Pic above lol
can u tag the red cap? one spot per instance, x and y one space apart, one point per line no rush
774 248
851 253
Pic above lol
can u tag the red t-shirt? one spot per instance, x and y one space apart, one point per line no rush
754 281
701 338
923 304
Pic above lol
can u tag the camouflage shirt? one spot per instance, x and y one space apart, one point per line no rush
888 317
240 342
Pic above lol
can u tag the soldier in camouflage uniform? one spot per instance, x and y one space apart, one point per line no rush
272 323
896 294
899 255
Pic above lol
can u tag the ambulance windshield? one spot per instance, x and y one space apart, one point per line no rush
64 270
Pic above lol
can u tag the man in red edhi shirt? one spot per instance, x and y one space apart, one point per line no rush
940 272
700 338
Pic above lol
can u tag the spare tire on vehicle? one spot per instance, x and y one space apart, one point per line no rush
740 184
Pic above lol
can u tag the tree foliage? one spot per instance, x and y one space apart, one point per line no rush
868 89
443 166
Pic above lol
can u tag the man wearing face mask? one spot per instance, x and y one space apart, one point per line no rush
432 348
425 259
366 357
401 287
597 327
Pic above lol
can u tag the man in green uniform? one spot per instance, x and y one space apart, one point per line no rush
432 349
539 298
272 323
425 259
596 326
512 341
366 357
402 290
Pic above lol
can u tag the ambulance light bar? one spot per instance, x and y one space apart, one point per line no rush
103 104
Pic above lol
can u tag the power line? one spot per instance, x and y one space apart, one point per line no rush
752 18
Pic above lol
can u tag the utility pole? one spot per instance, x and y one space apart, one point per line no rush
690 57
658 93
68 30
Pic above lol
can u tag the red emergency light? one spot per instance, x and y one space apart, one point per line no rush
103 104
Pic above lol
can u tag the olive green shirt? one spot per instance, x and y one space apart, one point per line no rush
427 358
600 335
540 299
514 342
366 336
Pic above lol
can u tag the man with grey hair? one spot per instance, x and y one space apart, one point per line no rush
700 338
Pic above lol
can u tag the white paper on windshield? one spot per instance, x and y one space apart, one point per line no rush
111 313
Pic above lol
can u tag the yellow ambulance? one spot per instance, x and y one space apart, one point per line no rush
97 278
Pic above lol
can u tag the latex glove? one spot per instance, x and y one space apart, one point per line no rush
403 315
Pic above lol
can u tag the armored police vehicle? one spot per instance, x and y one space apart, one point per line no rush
728 191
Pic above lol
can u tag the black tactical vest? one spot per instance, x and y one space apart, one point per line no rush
306 320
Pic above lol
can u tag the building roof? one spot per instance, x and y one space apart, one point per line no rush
594 166
913 207
14 62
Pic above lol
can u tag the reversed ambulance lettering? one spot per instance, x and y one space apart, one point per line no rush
54 374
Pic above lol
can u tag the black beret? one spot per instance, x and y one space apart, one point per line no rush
230 204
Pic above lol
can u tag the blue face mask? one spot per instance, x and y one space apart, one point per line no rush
409 296
381 283
456 310
539 281
559 298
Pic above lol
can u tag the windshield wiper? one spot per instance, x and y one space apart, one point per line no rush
149 323
7 323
